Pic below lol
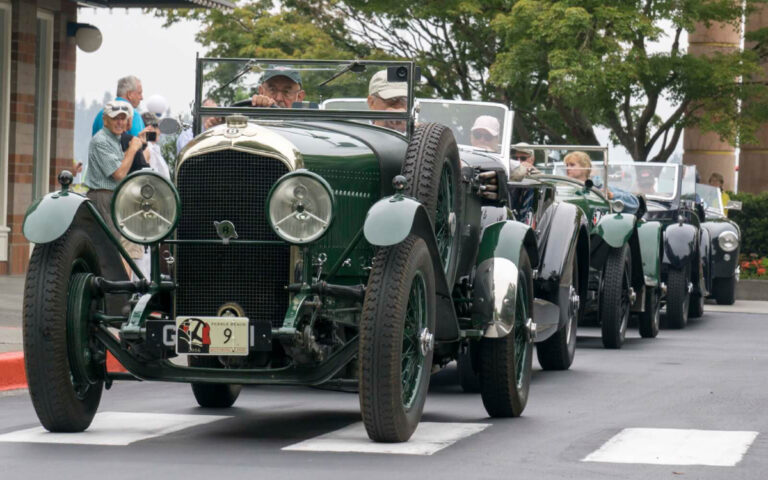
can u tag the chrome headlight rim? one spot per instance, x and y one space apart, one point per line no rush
312 176
127 181
725 237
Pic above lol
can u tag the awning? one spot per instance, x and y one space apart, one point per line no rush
218 4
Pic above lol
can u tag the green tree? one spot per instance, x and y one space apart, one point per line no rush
565 67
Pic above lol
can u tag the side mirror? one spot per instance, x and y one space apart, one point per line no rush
733 205
169 126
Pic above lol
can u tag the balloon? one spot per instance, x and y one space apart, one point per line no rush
157 104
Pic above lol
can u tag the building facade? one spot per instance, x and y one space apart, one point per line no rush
37 106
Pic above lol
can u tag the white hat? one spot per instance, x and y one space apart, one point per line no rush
523 147
114 108
384 89
488 123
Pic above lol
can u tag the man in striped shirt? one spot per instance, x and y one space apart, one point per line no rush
107 165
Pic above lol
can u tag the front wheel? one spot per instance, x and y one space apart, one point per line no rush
396 340
615 297
725 290
505 363
678 298
649 319
64 363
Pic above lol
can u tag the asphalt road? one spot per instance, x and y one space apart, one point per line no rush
709 377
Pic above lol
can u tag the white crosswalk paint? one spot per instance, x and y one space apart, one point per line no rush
667 446
428 438
115 428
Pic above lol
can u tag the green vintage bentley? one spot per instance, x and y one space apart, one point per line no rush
295 246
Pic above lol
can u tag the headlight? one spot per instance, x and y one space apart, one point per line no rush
145 207
728 241
617 205
300 207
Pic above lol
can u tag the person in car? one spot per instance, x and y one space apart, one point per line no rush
280 87
579 166
485 133
384 95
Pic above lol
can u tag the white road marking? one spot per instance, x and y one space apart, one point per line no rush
668 446
115 428
428 438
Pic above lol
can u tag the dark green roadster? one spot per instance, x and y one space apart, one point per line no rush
295 246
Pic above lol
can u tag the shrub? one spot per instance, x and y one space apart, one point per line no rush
753 221
753 266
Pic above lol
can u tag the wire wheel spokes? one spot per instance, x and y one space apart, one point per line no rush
444 221
521 333
415 321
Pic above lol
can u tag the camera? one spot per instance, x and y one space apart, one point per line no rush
151 136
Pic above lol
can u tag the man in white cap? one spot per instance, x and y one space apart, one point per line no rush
485 133
523 153
108 164
384 95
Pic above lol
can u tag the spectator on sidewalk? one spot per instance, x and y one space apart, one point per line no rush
717 180
108 164
128 90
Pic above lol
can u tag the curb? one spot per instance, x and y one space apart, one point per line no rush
13 376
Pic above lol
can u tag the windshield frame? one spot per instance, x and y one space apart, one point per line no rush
571 148
719 208
301 114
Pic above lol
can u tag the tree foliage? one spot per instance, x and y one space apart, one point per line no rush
565 66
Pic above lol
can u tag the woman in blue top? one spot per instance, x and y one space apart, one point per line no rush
578 166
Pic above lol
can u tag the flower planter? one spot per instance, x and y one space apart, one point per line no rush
752 290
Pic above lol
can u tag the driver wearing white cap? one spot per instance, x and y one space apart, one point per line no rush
485 133
387 96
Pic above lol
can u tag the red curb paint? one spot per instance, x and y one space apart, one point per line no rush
13 376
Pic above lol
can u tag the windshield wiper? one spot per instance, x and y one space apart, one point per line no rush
355 66
247 68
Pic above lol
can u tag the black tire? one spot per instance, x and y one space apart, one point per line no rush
432 151
391 414
469 379
651 317
61 404
557 352
615 305
213 395
678 298
696 306
505 370
725 290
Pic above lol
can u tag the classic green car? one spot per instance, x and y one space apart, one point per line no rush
303 247
624 250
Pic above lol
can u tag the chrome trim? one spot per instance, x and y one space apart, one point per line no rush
255 138
497 284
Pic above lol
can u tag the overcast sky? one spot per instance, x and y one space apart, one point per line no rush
135 43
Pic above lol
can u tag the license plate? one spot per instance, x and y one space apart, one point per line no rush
212 335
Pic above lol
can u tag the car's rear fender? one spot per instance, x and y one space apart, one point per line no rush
496 277
679 245
390 221
650 236
49 217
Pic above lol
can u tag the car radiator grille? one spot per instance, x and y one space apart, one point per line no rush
230 185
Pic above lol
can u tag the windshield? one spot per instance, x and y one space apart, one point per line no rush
711 196
479 125
688 191
657 181
296 89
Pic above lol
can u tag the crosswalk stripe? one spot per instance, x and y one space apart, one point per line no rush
116 428
668 446
428 438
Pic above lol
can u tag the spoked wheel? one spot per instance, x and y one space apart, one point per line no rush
615 303
650 318
212 395
557 352
505 363
432 168
396 340
65 364
678 298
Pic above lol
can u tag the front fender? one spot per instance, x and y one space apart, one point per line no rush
679 244
649 236
496 277
389 222
49 217
615 229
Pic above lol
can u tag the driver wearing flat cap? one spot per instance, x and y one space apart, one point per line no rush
389 96
280 87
